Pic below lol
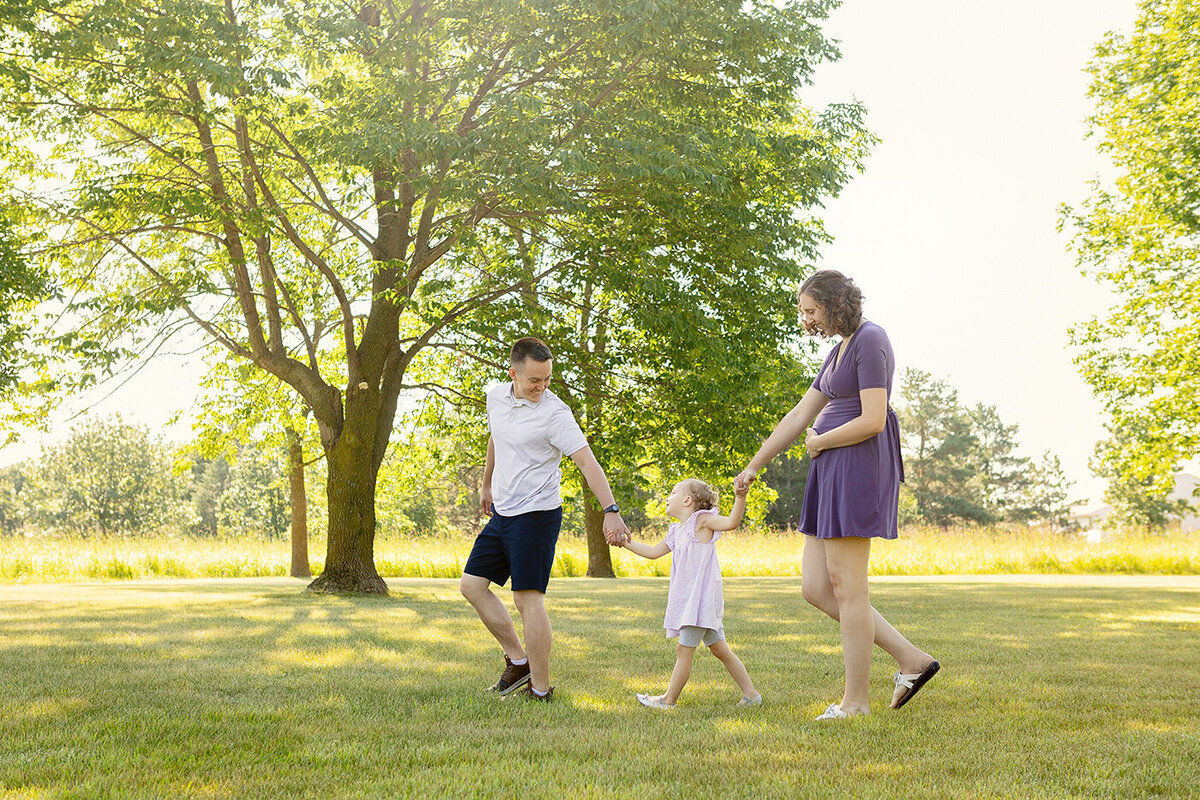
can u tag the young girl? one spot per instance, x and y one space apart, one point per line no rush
694 601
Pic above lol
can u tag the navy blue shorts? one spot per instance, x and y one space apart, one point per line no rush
520 546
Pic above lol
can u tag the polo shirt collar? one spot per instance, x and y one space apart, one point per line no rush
517 401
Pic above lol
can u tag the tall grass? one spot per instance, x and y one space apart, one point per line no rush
756 552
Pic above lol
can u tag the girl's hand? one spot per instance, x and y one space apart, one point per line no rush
743 480
812 443
740 490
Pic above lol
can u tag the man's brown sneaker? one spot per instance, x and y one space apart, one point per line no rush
514 677
528 694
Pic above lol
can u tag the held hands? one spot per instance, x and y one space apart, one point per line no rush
741 483
616 532
740 490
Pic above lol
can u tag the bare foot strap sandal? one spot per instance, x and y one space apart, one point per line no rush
912 683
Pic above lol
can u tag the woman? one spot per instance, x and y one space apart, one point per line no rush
853 488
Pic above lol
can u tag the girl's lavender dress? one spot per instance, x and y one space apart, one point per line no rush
695 596
855 490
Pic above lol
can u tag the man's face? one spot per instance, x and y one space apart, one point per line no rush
530 378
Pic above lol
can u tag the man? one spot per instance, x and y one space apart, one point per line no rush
531 430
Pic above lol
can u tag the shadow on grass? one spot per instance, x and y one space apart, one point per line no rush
264 690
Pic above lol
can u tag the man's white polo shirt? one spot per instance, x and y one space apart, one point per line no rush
529 440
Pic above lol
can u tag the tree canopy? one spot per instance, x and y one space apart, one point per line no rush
265 171
1140 236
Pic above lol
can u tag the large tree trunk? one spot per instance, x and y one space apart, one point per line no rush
300 567
353 469
599 553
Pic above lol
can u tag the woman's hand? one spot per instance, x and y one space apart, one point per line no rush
812 443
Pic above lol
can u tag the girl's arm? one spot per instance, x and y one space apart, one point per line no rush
707 524
870 423
787 431
645 550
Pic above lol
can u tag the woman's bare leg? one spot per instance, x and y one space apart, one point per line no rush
818 591
847 561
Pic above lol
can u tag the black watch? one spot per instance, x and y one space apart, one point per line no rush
613 509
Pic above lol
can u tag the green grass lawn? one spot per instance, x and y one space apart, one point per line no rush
1070 686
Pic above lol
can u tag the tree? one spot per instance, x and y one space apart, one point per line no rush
1140 236
942 465
254 499
962 465
243 407
787 475
12 511
1004 474
1138 499
1045 494
258 169
23 285
108 477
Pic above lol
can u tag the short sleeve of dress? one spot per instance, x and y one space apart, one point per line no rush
669 539
565 433
871 360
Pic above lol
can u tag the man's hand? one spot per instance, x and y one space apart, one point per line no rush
615 530
485 500
741 484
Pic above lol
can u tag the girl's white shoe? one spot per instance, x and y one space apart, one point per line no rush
651 701
750 701
833 712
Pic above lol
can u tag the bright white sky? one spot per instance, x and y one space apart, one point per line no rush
950 232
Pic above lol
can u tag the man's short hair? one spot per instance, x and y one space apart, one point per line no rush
529 347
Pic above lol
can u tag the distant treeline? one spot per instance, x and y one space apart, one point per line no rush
961 466
113 478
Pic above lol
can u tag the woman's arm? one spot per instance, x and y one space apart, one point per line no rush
645 550
707 524
787 431
870 422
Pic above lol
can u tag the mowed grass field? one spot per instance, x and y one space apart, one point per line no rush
1056 686
748 552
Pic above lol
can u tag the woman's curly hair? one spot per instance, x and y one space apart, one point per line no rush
839 297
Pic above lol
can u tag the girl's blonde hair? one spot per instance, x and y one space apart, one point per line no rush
705 496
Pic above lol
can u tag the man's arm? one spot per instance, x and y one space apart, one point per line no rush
597 481
485 490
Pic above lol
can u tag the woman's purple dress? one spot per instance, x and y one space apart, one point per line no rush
855 490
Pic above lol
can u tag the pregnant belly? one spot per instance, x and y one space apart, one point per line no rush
837 413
